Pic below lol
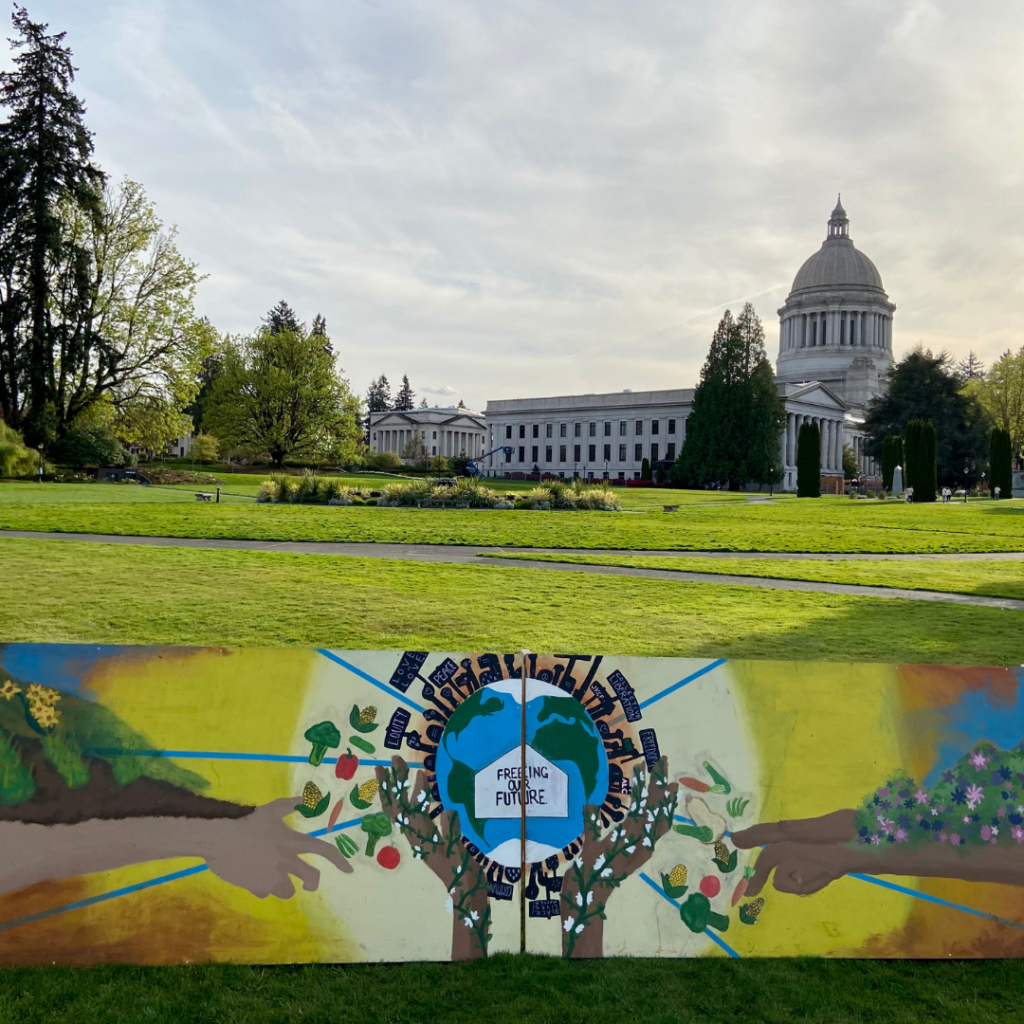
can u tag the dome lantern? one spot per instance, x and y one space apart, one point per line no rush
839 223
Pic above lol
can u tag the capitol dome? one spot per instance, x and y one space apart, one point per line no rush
836 324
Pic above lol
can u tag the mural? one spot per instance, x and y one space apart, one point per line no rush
169 805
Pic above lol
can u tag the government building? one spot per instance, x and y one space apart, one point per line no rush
449 432
835 349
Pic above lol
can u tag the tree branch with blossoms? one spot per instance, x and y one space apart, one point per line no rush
438 842
607 860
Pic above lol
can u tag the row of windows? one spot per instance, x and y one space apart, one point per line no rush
577 429
591 450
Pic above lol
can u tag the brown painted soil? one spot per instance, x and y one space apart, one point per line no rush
103 797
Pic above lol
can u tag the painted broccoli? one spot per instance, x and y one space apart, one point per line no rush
376 826
322 735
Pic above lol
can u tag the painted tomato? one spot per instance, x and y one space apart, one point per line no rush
389 858
710 886
346 766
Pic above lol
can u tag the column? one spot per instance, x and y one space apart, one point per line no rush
791 439
839 445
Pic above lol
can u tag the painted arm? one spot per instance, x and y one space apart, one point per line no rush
808 853
258 852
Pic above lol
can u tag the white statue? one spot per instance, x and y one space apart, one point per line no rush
897 482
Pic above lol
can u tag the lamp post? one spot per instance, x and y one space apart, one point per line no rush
606 469
966 471
39 478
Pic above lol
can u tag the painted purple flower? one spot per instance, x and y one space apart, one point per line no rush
1001 812
876 839
975 794
954 839
979 760
1018 833
986 833
921 796
918 817
947 777
883 792
901 835
942 837
886 804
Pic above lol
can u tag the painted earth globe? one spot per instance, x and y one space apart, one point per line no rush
479 769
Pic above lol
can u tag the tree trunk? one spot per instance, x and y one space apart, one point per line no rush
465 943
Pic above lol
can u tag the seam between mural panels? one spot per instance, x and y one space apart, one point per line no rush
228 755
390 690
139 886
675 903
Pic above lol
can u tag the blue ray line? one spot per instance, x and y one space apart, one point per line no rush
389 690
229 755
682 682
675 903
139 886
928 898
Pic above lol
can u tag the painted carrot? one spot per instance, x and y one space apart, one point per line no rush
741 886
694 784
332 820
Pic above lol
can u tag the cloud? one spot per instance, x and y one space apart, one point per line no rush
438 389
555 197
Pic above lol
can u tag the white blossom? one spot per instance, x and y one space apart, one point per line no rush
599 863
593 817
606 872
630 849
449 905
647 840
421 796
466 921
569 922
590 898
579 928
579 899
475 915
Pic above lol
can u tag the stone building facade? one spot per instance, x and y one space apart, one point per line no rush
448 432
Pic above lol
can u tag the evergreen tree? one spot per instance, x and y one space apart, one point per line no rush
645 469
920 469
406 397
733 431
282 318
892 456
1000 464
378 398
319 330
45 165
808 461
924 387
971 368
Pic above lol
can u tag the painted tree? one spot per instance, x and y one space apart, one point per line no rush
437 841
610 855
45 166
808 461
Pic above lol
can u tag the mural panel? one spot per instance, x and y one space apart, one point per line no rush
168 805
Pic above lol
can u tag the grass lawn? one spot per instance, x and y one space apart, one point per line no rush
133 594
526 990
993 579
826 525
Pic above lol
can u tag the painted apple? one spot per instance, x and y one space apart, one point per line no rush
710 886
389 858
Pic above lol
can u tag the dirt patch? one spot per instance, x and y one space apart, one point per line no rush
103 797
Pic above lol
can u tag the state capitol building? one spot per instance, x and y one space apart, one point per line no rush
835 350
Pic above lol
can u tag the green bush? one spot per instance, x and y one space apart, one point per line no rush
645 469
1000 464
921 455
15 459
808 461
89 446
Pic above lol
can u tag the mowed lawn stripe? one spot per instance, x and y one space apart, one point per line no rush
99 593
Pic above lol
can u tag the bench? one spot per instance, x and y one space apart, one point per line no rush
204 496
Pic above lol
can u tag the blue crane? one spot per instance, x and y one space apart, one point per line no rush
474 470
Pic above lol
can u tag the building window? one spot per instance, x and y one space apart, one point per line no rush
607 453
561 429
576 429
670 451
593 430
375 437
508 431
533 454
654 426
622 453
433 449
522 430
536 430
654 453
638 452
561 453
671 426
547 430
547 453
522 453
639 427
622 428
575 453
591 452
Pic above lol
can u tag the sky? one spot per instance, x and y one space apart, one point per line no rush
518 199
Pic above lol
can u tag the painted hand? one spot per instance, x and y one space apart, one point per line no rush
260 852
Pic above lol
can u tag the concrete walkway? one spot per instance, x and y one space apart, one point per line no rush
458 554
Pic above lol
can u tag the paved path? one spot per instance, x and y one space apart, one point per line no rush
454 553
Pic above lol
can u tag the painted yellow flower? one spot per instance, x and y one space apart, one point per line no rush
42 694
9 689
45 715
